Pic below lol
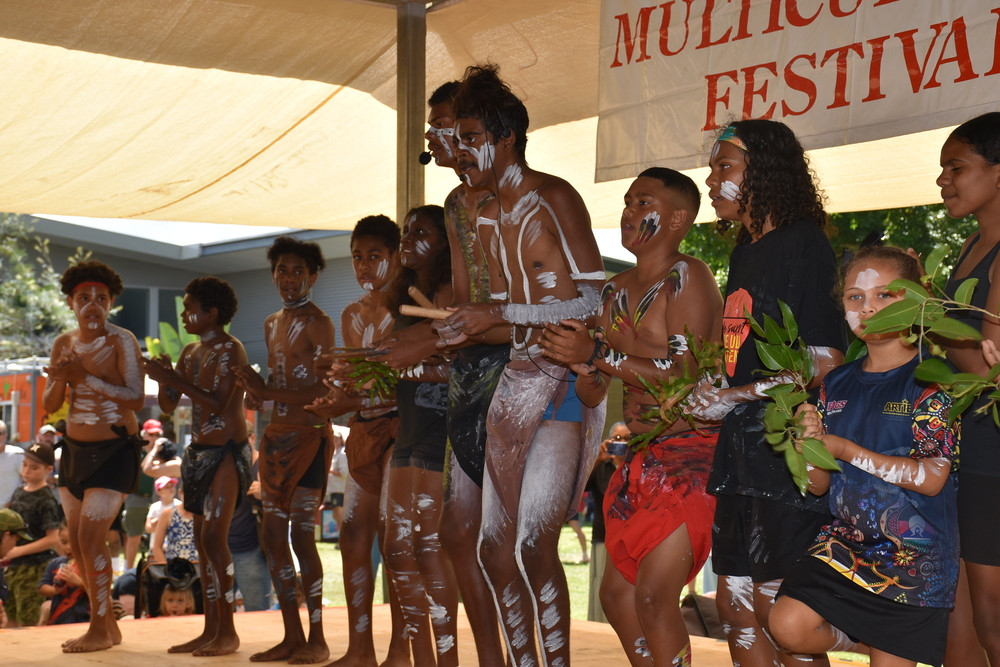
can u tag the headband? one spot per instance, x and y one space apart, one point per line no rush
729 134
92 283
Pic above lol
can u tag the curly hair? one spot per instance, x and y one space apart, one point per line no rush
903 262
484 95
397 294
687 191
982 134
91 271
212 292
778 184
309 253
379 227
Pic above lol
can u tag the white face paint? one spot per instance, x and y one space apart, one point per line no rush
867 279
89 306
484 156
422 247
382 268
729 190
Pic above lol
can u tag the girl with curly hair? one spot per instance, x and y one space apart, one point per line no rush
760 178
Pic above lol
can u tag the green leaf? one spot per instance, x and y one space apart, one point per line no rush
797 466
934 257
898 316
914 291
959 406
773 333
775 439
964 292
954 330
774 420
815 452
855 350
770 355
757 329
791 326
170 341
934 370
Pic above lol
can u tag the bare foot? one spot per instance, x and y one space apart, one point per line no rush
221 645
193 645
356 659
396 661
91 641
310 653
282 651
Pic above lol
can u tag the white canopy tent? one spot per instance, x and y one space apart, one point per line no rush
283 112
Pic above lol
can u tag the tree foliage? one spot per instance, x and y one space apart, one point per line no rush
34 308
918 227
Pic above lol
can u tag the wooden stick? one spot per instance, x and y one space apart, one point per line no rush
419 297
431 313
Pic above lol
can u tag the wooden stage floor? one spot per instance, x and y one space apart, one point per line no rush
146 640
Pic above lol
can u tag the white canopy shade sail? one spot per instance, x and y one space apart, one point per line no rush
282 112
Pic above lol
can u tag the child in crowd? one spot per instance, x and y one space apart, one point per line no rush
166 490
373 429
176 601
63 586
297 446
761 179
99 366
27 560
174 535
658 509
884 571
216 465
970 185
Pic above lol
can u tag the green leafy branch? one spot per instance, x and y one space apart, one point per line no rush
922 314
372 377
671 394
787 358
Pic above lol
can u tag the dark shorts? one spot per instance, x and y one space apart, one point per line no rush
978 517
472 381
106 464
760 538
200 465
423 420
915 633
315 475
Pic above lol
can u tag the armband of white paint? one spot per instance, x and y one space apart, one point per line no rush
593 275
112 391
613 357
498 296
413 372
579 308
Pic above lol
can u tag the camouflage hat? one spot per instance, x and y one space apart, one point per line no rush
11 521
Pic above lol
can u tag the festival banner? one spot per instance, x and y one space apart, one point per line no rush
672 73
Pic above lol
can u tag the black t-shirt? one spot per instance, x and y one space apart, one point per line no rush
796 265
40 512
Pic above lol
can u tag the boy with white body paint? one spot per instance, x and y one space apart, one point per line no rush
884 571
760 178
297 446
475 370
216 468
658 509
374 246
100 366
541 443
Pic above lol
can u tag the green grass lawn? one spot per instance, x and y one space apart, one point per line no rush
577 574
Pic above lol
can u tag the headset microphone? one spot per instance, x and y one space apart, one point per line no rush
424 158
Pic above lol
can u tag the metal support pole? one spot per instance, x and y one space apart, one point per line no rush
411 40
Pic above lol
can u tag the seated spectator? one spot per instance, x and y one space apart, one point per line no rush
174 535
64 587
166 491
176 602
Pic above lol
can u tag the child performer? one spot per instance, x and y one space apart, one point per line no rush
659 511
216 467
297 446
421 571
374 246
541 441
970 185
884 571
760 178
100 366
